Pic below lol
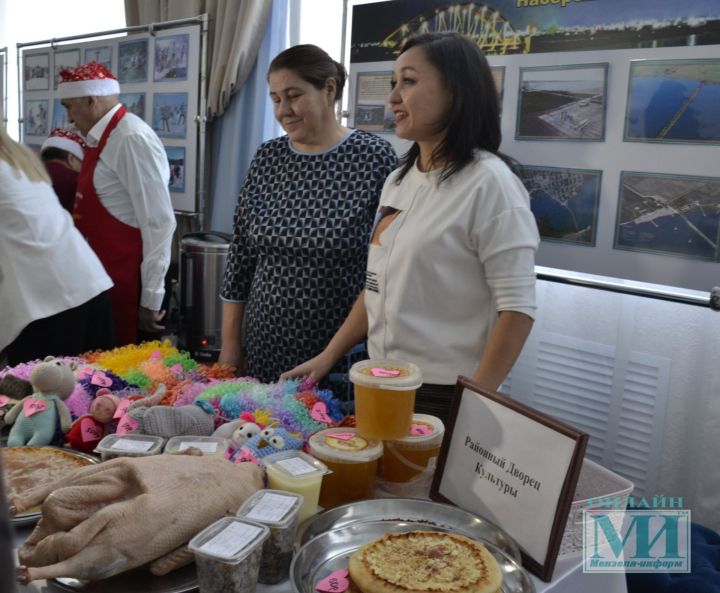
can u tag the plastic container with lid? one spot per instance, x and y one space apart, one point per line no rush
297 472
210 446
227 555
384 397
353 459
128 445
279 510
406 458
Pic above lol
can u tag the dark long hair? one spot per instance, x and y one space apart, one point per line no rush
313 65
473 120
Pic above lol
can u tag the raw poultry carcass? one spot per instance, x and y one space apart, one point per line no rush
120 514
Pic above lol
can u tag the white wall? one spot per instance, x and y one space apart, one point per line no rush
25 21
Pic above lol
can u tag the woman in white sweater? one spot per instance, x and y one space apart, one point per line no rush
450 282
53 289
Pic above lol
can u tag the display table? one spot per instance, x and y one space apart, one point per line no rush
569 578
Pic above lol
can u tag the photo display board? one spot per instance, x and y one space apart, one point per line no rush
610 110
3 86
159 76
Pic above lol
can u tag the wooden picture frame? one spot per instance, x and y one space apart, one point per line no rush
487 428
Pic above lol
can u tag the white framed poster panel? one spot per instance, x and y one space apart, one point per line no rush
159 78
682 50
512 465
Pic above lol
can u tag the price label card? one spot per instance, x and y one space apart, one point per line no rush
204 446
296 466
231 540
131 445
271 507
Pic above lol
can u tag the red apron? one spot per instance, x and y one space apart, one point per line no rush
117 245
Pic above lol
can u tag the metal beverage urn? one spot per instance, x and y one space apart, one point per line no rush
202 266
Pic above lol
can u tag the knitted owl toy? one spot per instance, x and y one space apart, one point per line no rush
270 440
35 419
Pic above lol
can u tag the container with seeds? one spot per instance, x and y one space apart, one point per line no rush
128 445
279 510
227 555
210 446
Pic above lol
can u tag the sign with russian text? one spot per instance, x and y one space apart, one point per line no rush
514 466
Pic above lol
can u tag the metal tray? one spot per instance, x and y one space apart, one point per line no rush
426 512
329 551
34 517
139 580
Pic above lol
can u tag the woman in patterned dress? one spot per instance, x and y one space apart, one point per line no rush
302 223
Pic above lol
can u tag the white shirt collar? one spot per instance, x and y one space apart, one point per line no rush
96 132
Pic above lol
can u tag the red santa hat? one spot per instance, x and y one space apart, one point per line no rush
87 80
65 140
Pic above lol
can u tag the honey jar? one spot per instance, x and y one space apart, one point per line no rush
384 397
353 460
404 459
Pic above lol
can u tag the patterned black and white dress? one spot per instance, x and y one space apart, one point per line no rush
299 250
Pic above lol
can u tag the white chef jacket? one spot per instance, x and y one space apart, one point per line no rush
131 179
455 255
46 266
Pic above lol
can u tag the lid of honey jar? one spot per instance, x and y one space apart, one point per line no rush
426 432
344 445
394 375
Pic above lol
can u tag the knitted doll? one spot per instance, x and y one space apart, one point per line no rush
88 430
35 419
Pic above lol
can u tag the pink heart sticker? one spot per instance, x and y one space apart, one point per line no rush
380 372
122 408
33 406
127 425
85 372
156 354
420 430
335 582
4 401
101 379
319 413
342 436
90 431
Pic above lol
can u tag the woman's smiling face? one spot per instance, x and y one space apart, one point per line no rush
301 109
419 98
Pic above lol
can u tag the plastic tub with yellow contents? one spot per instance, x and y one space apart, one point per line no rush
353 460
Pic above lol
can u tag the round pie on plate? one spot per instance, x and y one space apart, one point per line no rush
27 467
424 562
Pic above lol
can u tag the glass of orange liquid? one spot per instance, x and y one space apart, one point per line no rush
353 460
384 397
404 459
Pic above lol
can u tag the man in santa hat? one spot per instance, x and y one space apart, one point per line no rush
62 154
122 205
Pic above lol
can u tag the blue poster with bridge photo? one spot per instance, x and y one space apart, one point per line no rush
674 101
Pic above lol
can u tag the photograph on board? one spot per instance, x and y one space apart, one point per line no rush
562 103
668 214
171 58
132 61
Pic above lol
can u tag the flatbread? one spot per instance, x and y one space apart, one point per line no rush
27 467
424 562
